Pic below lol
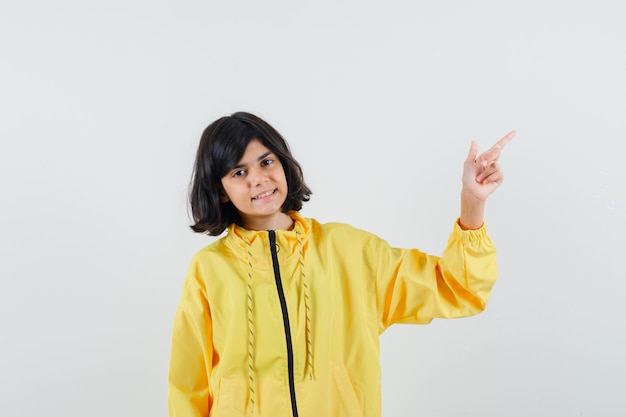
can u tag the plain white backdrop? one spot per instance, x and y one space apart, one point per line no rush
101 108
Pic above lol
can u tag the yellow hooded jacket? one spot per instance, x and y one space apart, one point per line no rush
286 323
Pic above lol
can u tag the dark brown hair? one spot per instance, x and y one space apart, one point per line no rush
222 145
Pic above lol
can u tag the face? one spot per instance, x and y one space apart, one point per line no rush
257 187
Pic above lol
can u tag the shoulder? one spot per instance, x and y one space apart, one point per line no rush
207 265
216 250
342 233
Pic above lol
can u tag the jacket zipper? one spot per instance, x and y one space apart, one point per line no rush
283 307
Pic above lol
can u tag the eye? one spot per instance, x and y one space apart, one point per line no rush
267 161
238 173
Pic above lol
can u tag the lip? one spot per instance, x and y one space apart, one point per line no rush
264 195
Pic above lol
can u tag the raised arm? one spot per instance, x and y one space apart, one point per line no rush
481 177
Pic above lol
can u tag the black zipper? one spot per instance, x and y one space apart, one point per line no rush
283 307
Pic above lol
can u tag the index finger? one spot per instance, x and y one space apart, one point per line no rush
506 139
493 153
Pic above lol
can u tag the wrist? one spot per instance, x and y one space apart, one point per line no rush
469 198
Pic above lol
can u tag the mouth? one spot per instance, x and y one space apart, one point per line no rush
265 194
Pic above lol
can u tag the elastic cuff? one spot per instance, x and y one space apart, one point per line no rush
469 235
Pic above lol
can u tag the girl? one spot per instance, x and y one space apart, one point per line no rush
281 316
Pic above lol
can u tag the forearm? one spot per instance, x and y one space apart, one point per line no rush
414 287
472 212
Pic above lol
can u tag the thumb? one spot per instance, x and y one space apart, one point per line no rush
471 157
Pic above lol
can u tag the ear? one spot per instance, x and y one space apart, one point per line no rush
224 198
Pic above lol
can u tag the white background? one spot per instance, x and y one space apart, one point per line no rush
101 108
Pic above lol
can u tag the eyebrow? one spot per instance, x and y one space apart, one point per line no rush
260 158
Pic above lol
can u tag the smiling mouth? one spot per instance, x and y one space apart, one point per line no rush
265 194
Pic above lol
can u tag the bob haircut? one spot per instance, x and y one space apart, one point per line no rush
222 145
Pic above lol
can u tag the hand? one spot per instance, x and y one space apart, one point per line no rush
482 175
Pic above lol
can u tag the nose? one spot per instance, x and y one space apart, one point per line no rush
257 176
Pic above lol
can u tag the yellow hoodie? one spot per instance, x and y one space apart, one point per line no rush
286 323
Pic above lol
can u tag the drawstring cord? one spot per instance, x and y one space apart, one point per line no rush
307 308
251 383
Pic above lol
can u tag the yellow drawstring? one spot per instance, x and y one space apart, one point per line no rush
307 308
250 331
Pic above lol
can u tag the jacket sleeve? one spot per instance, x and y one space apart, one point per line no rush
192 353
413 287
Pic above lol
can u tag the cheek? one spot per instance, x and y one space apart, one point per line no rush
282 176
227 191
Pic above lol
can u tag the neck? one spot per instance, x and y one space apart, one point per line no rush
279 221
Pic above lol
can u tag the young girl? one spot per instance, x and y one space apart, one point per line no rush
281 316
